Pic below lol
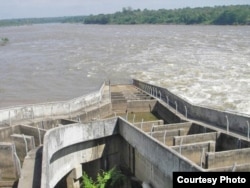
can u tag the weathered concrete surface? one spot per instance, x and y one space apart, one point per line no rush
10 168
188 139
74 176
149 159
148 125
63 137
195 152
31 170
227 158
185 126
23 144
167 136
154 162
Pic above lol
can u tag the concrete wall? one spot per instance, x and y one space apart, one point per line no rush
230 142
54 168
8 116
154 162
10 168
7 131
195 152
165 113
148 125
227 158
233 121
123 105
23 144
167 136
188 139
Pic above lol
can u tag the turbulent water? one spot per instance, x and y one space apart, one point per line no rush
207 65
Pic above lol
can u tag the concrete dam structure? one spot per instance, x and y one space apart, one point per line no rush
145 130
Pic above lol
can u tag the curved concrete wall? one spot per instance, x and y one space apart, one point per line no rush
28 112
55 168
234 122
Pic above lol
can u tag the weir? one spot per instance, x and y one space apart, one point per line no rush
143 129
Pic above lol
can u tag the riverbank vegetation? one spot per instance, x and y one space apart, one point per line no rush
218 15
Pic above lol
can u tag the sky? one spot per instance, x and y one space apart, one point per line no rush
52 8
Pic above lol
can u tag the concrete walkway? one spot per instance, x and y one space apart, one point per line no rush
31 170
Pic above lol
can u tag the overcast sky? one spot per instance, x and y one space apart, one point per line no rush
52 8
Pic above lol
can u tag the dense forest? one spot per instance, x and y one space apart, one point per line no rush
29 21
218 15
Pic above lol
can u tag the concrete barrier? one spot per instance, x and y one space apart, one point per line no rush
10 164
195 152
231 121
148 125
167 136
227 158
9 116
188 139
23 144
186 126
154 162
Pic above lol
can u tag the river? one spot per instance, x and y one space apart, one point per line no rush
206 65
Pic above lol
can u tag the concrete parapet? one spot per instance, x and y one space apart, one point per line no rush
188 139
10 116
36 132
148 125
230 121
167 136
185 126
23 144
196 152
7 131
227 158
233 168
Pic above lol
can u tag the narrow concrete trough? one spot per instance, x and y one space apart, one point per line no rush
195 152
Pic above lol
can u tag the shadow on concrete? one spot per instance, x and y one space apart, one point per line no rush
37 169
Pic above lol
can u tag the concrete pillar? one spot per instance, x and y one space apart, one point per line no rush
74 176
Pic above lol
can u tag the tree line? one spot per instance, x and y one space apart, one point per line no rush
218 15
30 21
